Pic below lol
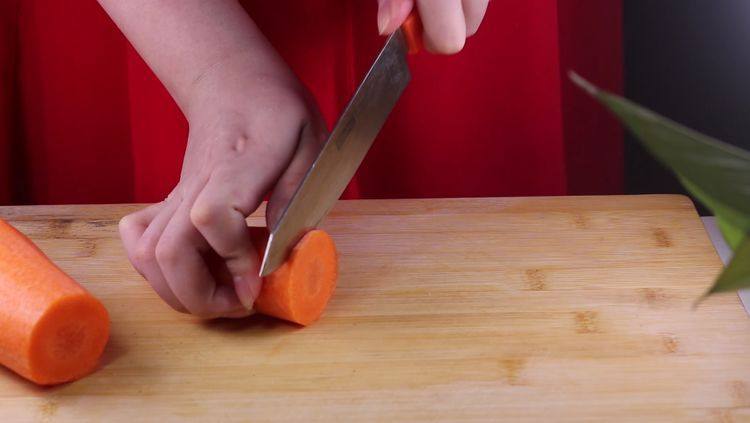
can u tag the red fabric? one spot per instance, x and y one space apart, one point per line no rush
593 150
498 119
74 103
8 45
486 122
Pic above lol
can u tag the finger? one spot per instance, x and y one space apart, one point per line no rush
312 138
133 225
233 191
179 255
392 13
444 25
143 256
474 11
219 214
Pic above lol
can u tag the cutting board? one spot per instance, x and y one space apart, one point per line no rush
552 309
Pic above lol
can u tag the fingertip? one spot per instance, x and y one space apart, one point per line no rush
130 233
223 303
446 44
126 224
132 226
176 306
244 269
444 26
474 11
247 288
392 14
383 21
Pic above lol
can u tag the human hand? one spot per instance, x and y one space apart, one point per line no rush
248 133
447 23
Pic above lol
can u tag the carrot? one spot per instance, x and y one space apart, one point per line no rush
299 290
51 329
412 30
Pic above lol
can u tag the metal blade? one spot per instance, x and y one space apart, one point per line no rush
343 152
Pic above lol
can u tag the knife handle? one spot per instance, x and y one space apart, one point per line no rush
412 30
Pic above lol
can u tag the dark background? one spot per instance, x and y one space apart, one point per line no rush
690 61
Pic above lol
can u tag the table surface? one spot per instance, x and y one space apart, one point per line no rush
535 309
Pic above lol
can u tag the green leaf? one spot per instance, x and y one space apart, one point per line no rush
732 234
716 173
737 274
730 221
709 165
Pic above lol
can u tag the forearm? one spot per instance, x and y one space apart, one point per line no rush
185 42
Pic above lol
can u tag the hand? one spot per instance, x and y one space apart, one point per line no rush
447 23
247 133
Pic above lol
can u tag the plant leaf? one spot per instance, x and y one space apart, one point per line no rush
716 173
732 235
737 274
729 221
709 164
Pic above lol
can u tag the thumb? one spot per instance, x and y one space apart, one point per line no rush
392 13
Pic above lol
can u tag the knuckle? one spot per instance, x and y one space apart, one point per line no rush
127 223
143 252
204 214
166 252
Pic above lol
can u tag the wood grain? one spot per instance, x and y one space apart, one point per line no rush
528 309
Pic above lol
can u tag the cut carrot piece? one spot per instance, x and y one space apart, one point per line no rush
412 30
51 329
299 290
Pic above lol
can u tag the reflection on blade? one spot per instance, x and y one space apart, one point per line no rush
342 154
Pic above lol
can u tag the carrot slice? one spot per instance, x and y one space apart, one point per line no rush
51 329
299 290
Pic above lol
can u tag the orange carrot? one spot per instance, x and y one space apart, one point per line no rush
412 30
299 290
51 329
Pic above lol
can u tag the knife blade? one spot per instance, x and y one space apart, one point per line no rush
346 146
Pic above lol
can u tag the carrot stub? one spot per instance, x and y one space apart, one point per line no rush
51 329
299 290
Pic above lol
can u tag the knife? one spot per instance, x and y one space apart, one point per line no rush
347 144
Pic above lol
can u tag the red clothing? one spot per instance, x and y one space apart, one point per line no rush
83 120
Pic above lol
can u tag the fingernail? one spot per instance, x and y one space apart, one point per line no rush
384 16
247 289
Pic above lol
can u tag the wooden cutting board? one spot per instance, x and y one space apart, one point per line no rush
552 309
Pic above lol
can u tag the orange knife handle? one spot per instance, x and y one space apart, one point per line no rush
412 30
